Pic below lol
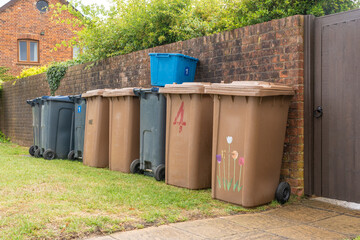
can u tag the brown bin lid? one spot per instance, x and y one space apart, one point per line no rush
118 92
249 88
93 93
184 88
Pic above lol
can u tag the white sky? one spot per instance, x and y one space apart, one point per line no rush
106 3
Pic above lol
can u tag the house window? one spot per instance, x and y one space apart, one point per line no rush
28 51
76 51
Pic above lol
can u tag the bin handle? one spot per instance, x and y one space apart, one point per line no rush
162 55
136 91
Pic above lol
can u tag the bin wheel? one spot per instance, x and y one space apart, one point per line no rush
159 173
49 154
283 191
71 155
37 153
135 167
32 150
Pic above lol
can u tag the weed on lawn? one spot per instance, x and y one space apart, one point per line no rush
63 199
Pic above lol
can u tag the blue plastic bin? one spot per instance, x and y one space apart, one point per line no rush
169 68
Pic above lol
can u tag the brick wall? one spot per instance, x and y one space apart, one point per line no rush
22 20
271 51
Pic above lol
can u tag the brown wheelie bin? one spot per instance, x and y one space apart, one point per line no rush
96 137
249 131
188 135
124 128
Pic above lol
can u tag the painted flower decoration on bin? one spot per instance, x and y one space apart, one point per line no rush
234 155
229 139
241 161
218 158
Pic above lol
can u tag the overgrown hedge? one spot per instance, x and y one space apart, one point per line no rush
139 24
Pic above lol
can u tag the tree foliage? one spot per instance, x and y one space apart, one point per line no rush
132 25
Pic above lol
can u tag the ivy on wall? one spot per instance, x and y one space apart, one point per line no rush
54 75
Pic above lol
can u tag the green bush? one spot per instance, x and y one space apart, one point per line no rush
3 138
133 25
27 72
5 76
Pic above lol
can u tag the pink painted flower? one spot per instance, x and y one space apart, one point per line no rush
218 158
241 161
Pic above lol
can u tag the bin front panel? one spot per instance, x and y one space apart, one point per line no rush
64 134
124 132
189 139
152 130
248 143
230 115
96 139
58 120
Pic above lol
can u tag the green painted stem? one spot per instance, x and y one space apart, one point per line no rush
219 176
234 171
239 178
229 164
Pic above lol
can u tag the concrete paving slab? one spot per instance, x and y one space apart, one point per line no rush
156 233
343 224
307 219
260 221
301 214
101 238
314 203
253 235
212 228
345 204
306 232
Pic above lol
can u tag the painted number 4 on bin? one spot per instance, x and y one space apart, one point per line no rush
179 119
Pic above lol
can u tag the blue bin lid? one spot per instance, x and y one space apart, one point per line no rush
57 98
173 54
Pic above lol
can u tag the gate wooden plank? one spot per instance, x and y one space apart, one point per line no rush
337 90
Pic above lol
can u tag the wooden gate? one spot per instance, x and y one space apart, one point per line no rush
336 107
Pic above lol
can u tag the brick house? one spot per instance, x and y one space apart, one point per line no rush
28 35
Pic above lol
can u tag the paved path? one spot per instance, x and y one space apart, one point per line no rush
308 219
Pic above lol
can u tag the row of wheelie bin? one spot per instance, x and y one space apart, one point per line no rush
194 135
58 126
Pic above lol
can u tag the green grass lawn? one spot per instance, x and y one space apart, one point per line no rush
62 199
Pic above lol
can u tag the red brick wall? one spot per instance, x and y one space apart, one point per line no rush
23 20
271 51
